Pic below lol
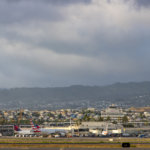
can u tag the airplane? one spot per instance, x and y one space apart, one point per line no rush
20 132
105 132
45 131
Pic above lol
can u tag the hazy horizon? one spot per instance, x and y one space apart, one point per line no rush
86 85
59 43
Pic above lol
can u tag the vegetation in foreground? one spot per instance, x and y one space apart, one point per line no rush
74 140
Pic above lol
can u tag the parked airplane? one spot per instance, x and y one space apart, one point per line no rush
20 132
45 131
105 132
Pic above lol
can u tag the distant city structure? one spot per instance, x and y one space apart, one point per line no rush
114 112
112 120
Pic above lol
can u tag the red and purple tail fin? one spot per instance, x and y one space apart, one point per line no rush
34 127
17 128
37 126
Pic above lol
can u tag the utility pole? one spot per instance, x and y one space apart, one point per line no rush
20 116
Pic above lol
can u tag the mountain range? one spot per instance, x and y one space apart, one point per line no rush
76 96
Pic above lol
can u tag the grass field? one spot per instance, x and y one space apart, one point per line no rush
72 142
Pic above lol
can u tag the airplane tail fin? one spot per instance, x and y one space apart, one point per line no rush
37 126
34 127
17 128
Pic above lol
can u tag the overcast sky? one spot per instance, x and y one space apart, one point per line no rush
49 43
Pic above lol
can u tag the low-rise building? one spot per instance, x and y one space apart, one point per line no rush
114 112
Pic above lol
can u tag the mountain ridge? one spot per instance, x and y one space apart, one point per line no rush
131 93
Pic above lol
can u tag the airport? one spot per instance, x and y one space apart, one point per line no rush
113 121
110 127
85 129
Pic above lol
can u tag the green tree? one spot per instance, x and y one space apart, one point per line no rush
114 122
108 118
125 119
60 116
142 116
100 119
86 117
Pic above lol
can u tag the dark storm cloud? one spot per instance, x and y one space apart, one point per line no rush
142 3
54 2
31 10
22 11
64 42
67 2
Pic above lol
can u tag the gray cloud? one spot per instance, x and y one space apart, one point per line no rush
23 11
142 3
66 2
34 10
60 42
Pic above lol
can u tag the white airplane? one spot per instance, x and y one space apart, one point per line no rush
18 131
44 131
105 132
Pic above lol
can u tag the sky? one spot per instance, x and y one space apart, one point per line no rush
55 43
